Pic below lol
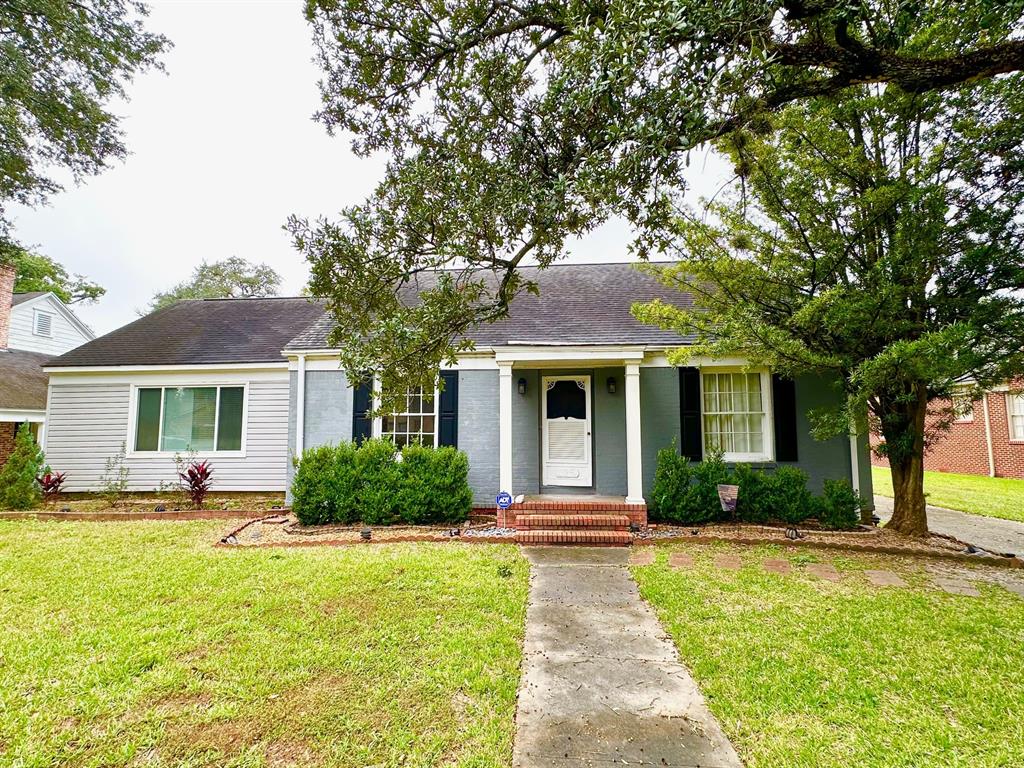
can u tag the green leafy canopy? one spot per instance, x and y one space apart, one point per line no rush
511 127
61 64
35 272
229 278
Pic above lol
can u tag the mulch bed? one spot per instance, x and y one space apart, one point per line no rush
865 539
286 531
121 517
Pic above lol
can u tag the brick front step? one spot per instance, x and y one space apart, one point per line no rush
509 518
586 536
590 521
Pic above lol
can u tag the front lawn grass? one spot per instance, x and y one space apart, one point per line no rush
803 672
138 644
977 494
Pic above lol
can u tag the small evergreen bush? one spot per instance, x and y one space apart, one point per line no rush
375 485
19 488
686 493
754 503
840 505
788 498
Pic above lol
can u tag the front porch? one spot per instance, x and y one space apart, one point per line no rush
570 424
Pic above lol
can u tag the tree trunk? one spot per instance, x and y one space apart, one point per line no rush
909 514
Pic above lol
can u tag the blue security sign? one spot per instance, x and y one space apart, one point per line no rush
503 500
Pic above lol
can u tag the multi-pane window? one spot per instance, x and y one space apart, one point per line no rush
1015 406
734 415
963 404
416 424
181 419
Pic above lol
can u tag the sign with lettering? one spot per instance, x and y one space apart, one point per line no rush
728 495
503 500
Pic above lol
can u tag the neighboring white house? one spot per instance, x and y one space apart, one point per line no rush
34 328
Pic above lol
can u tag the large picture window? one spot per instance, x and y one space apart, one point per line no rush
179 419
416 425
735 416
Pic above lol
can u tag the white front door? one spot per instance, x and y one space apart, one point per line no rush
565 415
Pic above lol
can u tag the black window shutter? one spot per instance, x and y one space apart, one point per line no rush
691 444
784 402
362 405
448 410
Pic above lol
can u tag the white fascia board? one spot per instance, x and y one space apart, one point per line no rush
735 361
114 370
559 354
11 415
183 377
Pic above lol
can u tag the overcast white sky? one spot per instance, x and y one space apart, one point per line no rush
223 149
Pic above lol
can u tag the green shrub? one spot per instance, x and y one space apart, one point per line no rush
754 503
324 487
434 486
685 493
348 484
789 500
673 477
379 479
19 488
840 505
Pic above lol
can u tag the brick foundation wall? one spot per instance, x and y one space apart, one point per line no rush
7 430
963 448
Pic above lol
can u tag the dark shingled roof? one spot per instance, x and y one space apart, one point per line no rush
578 304
22 380
21 298
201 332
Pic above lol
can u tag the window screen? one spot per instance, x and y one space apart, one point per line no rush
416 424
734 413
179 419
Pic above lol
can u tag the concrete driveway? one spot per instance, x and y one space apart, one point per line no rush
991 533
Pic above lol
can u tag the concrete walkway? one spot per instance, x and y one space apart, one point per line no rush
991 533
602 683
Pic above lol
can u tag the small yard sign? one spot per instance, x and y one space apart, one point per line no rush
504 500
728 495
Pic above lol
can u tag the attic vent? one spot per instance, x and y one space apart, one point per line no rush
43 324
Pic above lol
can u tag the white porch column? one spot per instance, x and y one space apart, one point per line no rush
634 460
505 427
300 406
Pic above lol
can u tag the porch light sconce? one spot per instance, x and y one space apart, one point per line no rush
522 386
611 385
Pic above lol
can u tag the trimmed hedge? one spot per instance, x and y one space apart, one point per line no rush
375 484
686 493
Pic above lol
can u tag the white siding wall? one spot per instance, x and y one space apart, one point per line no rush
87 423
66 336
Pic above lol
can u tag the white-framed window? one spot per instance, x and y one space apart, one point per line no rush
42 323
736 414
416 424
201 418
963 404
1015 415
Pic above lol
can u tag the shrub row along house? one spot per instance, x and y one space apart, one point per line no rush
569 395
34 327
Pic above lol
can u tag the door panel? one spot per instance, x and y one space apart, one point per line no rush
566 431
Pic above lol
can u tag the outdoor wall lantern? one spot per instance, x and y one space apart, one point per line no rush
611 385
522 386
